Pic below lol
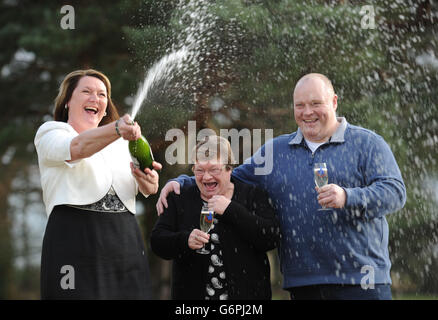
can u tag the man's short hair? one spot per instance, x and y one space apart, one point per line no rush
324 78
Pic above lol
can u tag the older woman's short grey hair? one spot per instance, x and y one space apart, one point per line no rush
214 148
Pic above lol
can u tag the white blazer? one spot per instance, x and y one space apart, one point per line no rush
84 181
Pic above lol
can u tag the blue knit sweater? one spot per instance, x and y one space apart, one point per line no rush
338 246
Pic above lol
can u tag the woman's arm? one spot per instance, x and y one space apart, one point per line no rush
91 141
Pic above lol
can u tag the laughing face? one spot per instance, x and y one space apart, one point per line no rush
212 178
87 104
315 109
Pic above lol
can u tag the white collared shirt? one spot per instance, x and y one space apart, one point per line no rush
313 145
84 181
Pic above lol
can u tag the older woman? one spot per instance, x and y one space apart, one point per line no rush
245 227
92 246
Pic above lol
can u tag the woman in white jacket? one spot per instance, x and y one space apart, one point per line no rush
92 247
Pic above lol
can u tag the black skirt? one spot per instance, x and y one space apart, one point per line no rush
93 255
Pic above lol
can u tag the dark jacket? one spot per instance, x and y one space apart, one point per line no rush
247 229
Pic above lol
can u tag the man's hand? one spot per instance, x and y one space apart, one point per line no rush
331 196
162 200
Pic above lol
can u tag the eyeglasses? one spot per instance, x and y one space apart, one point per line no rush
212 171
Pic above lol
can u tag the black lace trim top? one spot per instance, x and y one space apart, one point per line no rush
109 203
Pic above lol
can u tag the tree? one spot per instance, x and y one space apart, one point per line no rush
381 59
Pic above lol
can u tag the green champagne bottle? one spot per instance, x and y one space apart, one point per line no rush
141 153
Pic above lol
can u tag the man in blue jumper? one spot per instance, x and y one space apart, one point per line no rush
341 253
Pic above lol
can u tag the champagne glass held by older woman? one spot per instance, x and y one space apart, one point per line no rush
89 187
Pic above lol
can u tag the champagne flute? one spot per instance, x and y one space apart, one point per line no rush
205 224
321 176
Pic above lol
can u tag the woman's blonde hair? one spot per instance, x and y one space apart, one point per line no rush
214 148
70 83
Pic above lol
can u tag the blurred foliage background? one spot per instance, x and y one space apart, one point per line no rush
240 73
